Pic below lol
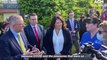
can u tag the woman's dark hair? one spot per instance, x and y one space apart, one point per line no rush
54 20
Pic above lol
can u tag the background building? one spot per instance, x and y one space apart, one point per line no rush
7 8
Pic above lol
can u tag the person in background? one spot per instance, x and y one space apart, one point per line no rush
103 32
13 43
93 12
4 26
57 40
91 34
87 16
82 23
104 12
34 31
73 26
58 14
104 16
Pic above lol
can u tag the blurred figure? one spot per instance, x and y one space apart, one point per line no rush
4 27
73 26
58 14
91 34
13 43
104 12
104 7
82 23
104 15
103 32
93 12
57 40
87 16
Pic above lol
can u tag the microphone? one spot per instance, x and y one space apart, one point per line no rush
105 47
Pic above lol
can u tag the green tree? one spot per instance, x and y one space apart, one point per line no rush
45 9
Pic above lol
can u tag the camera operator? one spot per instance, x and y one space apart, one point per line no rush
92 52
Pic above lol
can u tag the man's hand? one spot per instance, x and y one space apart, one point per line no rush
35 50
58 54
42 52
28 53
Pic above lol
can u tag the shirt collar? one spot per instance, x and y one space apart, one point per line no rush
33 26
71 20
14 32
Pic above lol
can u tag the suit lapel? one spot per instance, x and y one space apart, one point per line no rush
39 31
69 25
64 34
24 39
13 40
74 24
31 33
51 40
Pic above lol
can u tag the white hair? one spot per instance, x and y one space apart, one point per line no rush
13 19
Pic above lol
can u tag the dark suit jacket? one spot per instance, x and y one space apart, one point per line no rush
31 36
9 47
76 27
48 42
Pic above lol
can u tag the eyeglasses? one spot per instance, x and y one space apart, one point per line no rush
100 32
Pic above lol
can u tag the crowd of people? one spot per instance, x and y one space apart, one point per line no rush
60 38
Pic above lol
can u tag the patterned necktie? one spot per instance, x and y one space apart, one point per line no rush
37 37
21 43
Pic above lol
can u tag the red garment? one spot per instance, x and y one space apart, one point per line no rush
103 16
37 37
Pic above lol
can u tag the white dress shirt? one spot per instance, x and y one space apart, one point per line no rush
58 42
72 24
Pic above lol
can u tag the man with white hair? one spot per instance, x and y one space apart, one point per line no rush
13 44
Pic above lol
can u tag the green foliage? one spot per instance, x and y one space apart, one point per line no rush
26 21
45 22
45 9
1 18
